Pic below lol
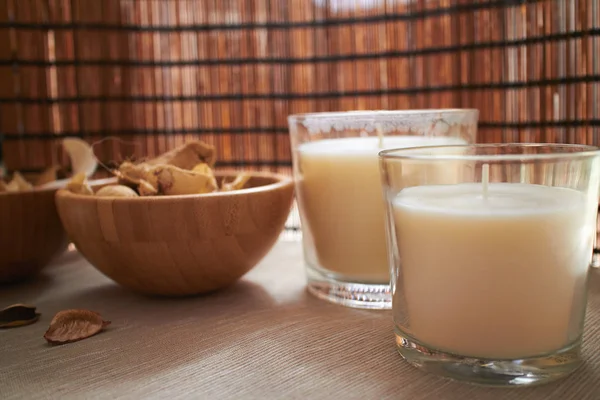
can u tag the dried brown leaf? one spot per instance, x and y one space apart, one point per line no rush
72 325
18 315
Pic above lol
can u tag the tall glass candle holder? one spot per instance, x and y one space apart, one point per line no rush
490 262
336 169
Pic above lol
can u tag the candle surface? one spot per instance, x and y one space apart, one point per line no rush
342 202
494 276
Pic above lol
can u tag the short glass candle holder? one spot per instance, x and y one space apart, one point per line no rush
490 258
338 188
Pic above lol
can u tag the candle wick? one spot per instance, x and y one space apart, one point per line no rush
485 180
379 135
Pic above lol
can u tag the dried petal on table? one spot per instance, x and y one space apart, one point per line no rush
73 325
79 185
116 191
18 184
236 184
18 315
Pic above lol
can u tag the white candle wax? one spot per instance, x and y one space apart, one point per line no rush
342 202
495 276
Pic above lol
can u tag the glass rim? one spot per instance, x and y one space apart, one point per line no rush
383 113
411 153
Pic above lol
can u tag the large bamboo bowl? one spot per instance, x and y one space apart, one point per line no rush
31 234
179 245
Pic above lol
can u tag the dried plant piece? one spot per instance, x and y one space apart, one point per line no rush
116 191
18 184
18 315
152 180
184 170
79 185
49 175
203 168
133 175
83 161
139 177
173 181
187 156
2 185
81 155
146 189
237 184
72 325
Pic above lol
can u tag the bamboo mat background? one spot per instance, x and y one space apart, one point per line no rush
154 73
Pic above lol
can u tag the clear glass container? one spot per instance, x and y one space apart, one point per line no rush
490 247
338 187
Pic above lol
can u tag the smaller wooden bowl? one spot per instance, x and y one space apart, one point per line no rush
30 233
179 245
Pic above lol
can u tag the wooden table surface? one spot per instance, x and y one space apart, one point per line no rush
263 338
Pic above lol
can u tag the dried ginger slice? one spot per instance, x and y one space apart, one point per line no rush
73 325
203 168
18 184
79 185
187 156
183 170
166 180
136 177
146 189
175 181
237 184
132 173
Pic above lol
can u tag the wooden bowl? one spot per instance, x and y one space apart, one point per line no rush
179 245
30 233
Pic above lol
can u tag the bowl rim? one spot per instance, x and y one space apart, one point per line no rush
281 181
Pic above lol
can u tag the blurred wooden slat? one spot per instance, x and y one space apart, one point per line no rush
10 114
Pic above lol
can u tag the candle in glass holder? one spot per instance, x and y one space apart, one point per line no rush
338 186
493 271
342 203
